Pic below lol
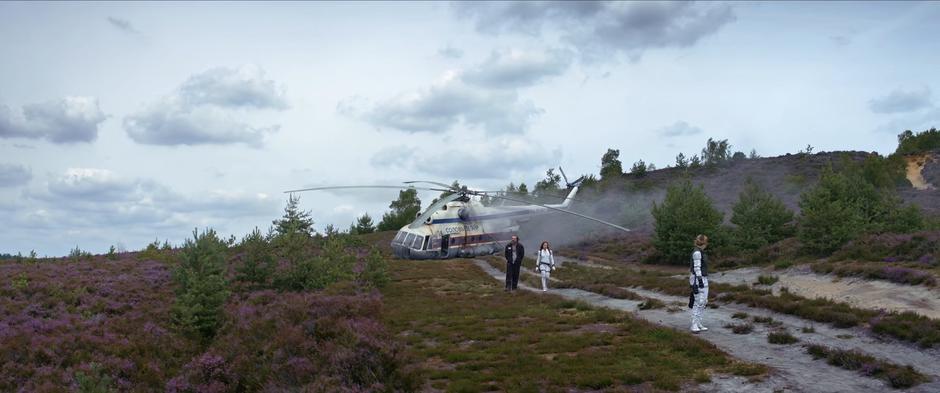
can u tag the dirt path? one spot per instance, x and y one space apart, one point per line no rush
795 370
861 293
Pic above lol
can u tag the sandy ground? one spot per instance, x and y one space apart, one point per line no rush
870 294
794 369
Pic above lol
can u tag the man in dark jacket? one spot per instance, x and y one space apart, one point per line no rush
514 254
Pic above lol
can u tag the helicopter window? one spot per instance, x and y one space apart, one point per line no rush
416 243
410 238
398 237
425 243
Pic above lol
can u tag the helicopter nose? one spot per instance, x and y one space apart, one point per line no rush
398 248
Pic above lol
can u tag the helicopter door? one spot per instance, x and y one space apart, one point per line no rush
445 243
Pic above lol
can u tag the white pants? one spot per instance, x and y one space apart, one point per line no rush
701 300
545 272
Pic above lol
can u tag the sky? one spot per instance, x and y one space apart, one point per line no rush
122 123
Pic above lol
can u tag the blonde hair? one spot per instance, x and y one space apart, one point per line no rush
701 241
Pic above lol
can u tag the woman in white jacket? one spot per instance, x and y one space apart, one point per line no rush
545 263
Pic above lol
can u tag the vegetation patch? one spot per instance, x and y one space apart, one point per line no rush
739 315
488 337
767 321
878 271
740 328
767 280
781 337
899 377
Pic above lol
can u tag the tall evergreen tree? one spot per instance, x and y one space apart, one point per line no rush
294 220
364 224
404 210
611 167
201 289
760 218
685 213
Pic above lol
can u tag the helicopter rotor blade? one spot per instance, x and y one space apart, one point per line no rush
564 211
448 186
361 187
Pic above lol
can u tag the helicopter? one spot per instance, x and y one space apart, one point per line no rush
460 226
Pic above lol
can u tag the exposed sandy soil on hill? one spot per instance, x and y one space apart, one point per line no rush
861 293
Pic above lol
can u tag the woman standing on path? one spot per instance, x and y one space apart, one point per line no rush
545 263
698 279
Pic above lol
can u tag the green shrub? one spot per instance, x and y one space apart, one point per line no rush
20 282
760 218
650 304
910 143
77 254
374 272
739 315
781 337
258 261
201 287
767 280
845 205
112 254
899 377
95 381
685 213
318 272
740 328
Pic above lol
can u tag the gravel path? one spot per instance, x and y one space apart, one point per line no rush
795 370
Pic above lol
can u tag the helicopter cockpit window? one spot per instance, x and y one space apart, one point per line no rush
399 237
410 238
416 243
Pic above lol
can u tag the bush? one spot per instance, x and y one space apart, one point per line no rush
781 337
638 169
910 143
908 326
760 218
201 287
95 381
740 328
767 280
258 261
77 254
318 272
899 377
843 206
300 342
685 213
374 271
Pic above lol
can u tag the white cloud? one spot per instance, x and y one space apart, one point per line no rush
604 28
680 128
209 109
69 120
510 69
445 105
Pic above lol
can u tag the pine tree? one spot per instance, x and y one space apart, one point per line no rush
364 224
760 218
201 286
611 167
258 261
685 213
294 219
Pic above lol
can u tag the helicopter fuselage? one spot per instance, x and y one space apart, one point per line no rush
464 228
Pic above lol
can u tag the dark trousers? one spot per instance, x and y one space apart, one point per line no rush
512 275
